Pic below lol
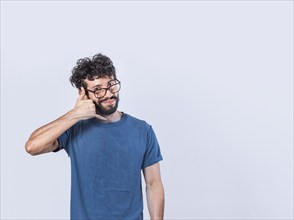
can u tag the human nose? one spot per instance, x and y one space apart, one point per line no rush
108 93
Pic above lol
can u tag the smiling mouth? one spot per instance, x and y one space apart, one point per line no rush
110 100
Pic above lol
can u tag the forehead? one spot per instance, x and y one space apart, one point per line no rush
98 82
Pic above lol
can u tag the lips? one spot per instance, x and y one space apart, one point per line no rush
108 101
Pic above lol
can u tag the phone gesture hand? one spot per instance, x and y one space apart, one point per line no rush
85 107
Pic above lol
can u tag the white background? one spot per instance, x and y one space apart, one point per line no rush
213 78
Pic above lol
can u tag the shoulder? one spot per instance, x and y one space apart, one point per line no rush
76 127
135 119
138 123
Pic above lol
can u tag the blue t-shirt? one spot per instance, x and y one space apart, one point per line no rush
106 164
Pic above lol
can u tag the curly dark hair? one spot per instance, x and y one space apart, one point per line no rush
86 68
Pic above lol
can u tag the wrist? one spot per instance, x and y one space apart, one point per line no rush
72 116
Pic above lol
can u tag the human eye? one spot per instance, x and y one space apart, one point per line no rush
97 90
111 83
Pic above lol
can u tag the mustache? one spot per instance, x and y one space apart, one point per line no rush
112 97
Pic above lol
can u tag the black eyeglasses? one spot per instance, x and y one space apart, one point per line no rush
113 87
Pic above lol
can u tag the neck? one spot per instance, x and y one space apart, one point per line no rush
116 116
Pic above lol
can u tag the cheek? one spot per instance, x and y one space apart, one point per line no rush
93 98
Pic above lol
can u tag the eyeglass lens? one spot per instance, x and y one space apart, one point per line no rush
115 87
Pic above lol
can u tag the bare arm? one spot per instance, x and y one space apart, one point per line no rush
44 139
154 192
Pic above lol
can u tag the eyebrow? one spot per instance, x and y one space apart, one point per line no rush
99 85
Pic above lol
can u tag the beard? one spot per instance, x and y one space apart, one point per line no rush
105 111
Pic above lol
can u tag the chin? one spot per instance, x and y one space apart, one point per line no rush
108 110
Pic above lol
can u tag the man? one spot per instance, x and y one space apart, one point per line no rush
107 148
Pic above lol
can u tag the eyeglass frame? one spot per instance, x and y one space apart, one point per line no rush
105 89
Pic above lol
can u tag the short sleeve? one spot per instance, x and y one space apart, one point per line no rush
63 141
152 154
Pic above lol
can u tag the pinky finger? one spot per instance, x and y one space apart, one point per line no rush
101 117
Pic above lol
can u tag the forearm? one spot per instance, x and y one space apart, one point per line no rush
155 200
44 139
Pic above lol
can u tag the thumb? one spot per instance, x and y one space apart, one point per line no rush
82 94
101 117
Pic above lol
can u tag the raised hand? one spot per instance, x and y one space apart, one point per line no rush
85 107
